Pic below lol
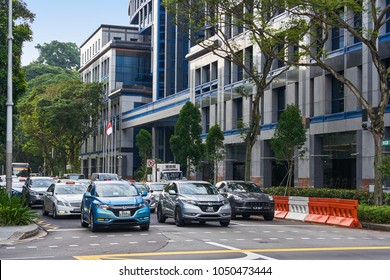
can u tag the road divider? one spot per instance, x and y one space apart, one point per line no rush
332 211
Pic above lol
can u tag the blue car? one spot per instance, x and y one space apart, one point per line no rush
108 204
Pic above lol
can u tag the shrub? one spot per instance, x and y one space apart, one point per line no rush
13 210
374 214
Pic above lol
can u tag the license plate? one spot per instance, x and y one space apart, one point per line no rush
209 209
124 213
257 208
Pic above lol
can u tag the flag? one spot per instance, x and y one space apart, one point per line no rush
109 128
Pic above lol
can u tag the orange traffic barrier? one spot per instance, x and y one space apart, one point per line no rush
344 215
335 211
318 212
281 206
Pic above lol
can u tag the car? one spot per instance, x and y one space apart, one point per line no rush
34 188
186 201
109 204
63 199
155 188
147 195
247 199
105 177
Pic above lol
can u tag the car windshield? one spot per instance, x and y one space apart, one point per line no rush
116 190
156 187
142 187
70 189
243 187
41 183
197 188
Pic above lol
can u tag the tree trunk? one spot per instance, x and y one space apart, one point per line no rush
378 162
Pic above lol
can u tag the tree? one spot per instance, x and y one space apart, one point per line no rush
144 144
214 26
362 20
215 151
64 55
35 72
21 31
289 138
186 143
60 117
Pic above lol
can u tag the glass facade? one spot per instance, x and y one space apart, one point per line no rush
134 69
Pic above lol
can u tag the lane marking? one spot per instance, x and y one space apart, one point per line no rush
200 252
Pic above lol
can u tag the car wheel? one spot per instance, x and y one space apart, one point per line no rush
144 227
246 216
83 223
224 223
93 226
55 216
160 216
269 216
44 212
179 221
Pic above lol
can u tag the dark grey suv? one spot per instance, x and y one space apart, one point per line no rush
186 201
247 199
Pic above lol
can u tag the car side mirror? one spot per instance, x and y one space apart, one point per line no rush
49 193
172 192
87 195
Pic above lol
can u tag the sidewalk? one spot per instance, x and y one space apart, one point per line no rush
11 234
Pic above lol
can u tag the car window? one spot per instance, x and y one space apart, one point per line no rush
197 189
116 190
70 189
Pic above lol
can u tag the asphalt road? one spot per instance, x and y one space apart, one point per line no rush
244 239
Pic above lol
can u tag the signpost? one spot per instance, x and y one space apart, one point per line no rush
385 142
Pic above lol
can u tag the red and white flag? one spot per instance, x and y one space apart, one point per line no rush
109 128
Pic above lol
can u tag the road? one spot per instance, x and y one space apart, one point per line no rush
244 239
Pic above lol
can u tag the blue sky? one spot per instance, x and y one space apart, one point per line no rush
70 21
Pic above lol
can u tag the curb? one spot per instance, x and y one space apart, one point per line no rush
19 235
381 227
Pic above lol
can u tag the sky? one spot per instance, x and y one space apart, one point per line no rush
70 21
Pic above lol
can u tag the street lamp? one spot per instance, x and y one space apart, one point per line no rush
9 104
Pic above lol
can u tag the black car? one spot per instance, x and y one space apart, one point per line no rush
34 188
247 199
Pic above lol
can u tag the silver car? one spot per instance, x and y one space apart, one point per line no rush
192 201
155 188
63 199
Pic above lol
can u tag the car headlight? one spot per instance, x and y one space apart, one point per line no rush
33 192
189 201
270 197
102 206
143 204
60 202
225 201
237 198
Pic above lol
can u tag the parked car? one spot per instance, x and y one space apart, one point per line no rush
113 204
155 188
192 201
247 199
147 195
105 177
63 199
34 188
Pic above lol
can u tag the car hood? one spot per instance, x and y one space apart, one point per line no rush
202 197
252 196
70 197
120 200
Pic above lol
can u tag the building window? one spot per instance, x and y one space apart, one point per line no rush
206 116
337 96
237 111
357 24
337 38
281 100
228 72
388 17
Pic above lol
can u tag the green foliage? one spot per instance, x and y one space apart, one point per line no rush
143 142
289 137
22 18
64 55
186 143
60 116
374 214
13 210
214 145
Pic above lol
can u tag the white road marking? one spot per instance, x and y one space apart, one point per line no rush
53 246
94 244
249 255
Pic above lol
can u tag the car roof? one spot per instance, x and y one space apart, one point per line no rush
111 182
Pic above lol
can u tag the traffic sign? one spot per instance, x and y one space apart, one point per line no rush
150 162
385 142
